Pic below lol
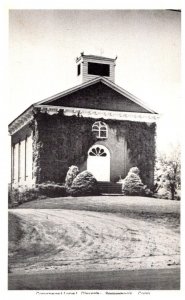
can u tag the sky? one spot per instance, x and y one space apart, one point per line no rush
43 46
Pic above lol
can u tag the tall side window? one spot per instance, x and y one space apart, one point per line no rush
28 158
15 163
100 129
25 158
22 161
19 161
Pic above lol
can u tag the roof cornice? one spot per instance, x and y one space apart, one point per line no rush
96 57
98 114
21 120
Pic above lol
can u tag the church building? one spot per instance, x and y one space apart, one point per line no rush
97 126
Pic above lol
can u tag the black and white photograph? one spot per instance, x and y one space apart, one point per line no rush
94 135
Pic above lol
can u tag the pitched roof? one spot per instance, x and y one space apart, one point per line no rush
105 81
28 113
97 57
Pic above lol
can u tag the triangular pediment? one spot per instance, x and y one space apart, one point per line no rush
97 98
99 94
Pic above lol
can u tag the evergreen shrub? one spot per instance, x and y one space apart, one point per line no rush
85 184
51 189
133 186
70 176
17 196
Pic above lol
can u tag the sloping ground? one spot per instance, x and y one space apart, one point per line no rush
74 240
150 209
111 204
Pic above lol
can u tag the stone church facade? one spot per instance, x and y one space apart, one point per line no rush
96 125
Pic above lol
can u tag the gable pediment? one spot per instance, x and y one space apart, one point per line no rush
98 98
98 95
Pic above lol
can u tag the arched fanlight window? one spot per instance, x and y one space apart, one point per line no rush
100 129
97 151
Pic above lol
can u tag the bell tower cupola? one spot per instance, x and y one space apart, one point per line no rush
92 66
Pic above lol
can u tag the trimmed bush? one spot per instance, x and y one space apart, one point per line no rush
134 170
18 196
85 184
70 176
13 197
133 186
52 190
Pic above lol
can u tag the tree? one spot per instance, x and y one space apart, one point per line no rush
167 172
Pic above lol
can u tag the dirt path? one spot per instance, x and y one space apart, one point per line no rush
72 240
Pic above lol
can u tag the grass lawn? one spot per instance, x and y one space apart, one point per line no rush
107 204
94 234
150 209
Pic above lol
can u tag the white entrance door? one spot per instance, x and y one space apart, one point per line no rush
98 162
